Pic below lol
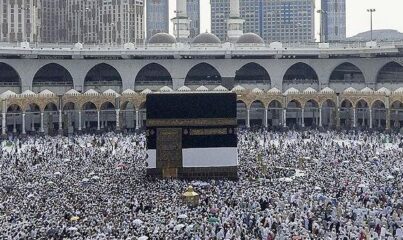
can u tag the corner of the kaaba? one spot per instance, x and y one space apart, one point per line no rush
192 135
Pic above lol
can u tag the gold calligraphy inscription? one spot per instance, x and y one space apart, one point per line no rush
202 122
208 131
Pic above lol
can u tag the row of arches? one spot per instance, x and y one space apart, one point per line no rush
71 117
104 76
326 115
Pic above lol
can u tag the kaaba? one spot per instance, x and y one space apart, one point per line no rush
192 135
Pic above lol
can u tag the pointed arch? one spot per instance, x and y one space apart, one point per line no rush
257 109
69 106
347 73
153 74
362 104
107 106
9 78
275 104
328 113
203 74
33 107
346 104
391 72
89 106
52 74
252 73
241 112
50 107
14 108
300 73
102 77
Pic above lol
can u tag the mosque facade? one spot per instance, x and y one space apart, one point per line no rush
77 88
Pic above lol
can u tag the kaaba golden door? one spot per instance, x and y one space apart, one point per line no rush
169 151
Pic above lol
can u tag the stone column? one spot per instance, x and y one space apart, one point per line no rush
248 117
303 117
354 117
320 117
285 117
387 118
32 122
337 118
98 121
60 121
14 124
370 117
4 121
79 120
4 124
265 117
379 118
23 123
117 120
137 119
41 130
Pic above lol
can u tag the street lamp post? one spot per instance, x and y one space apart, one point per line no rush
371 11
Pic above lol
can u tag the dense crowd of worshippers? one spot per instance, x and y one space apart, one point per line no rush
292 185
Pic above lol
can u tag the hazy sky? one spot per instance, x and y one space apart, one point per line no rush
388 15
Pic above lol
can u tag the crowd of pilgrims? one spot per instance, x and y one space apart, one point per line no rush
292 185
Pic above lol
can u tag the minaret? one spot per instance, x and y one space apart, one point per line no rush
181 22
234 23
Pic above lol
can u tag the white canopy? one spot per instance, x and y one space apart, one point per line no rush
220 89
202 89
28 93
327 90
146 91
274 91
257 91
384 90
91 92
310 90
166 89
367 90
128 92
111 92
350 90
238 88
46 92
399 90
72 92
292 91
184 89
7 94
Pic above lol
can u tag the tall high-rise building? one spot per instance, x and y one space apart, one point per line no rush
94 21
122 21
193 12
53 21
20 20
334 20
273 20
157 17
